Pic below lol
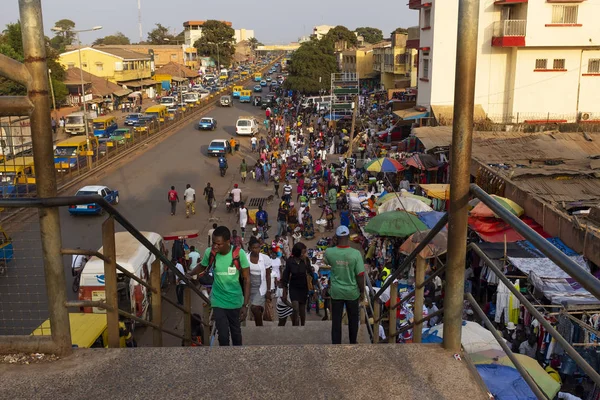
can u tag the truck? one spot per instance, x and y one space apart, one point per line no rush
191 98
74 124
15 136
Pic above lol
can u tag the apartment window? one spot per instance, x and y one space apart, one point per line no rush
562 14
425 68
125 66
70 65
559 63
99 67
402 58
84 65
426 18
541 63
594 66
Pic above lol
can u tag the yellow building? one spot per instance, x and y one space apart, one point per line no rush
118 65
163 54
394 61
359 61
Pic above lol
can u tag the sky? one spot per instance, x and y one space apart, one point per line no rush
273 22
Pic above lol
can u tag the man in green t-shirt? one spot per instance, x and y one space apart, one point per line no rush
347 285
229 303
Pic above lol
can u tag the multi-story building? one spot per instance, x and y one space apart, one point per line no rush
112 63
537 61
321 30
192 31
357 61
394 60
243 34
163 54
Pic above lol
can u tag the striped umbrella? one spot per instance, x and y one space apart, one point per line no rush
384 164
482 211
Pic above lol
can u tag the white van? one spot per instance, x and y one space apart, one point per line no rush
135 258
310 101
246 126
168 101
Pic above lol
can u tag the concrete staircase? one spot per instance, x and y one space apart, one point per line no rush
314 332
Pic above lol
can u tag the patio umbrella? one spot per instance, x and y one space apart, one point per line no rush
384 165
504 366
430 218
474 337
404 204
403 193
482 211
395 223
437 246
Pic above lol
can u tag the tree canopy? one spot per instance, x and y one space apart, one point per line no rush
118 39
216 42
313 60
159 34
11 45
400 30
65 36
369 34
341 33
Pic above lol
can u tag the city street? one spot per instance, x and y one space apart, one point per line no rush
143 183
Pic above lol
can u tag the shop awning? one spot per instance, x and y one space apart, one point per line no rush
141 83
122 92
411 113
437 190
178 79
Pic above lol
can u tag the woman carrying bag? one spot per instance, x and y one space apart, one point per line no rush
260 281
297 282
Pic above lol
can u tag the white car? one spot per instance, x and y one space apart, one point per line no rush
246 126
168 101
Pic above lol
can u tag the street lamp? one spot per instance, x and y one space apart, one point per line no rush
85 121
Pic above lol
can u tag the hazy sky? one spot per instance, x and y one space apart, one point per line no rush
272 21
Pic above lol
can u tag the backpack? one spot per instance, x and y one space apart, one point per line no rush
172 195
207 277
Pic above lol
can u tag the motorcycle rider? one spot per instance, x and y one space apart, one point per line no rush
222 165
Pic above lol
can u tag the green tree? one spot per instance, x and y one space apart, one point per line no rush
400 30
118 39
341 33
216 35
159 34
65 36
11 45
369 34
313 61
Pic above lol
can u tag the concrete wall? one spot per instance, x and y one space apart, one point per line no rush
105 65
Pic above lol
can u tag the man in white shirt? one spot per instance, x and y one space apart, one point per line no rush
194 259
236 192
254 141
287 191
190 200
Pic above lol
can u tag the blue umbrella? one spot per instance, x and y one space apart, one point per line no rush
430 218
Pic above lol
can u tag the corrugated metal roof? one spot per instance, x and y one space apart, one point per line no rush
175 69
124 53
100 86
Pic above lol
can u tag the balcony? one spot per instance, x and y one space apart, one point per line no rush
502 2
396 69
414 4
509 33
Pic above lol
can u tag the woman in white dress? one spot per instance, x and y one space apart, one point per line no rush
243 218
260 280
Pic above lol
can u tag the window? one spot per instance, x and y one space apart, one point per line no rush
541 63
70 65
125 66
403 59
426 18
425 68
99 67
559 63
564 14
593 66
84 65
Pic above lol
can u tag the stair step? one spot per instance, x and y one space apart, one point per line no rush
314 332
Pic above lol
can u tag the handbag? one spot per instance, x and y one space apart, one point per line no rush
206 278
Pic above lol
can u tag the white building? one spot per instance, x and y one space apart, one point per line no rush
192 31
536 62
243 34
321 30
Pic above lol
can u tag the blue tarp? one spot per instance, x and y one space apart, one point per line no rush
430 218
504 383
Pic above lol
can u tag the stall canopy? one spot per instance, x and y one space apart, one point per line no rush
423 161
411 114
496 230
437 190
403 203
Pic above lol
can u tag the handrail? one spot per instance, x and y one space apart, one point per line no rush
537 315
79 200
488 324
584 278
434 231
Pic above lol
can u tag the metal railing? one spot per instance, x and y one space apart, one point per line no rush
111 270
510 27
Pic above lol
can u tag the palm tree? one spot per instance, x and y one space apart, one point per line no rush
253 43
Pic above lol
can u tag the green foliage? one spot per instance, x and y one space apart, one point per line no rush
401 30
313 60
11 45
118 39
341 33
214 32
65 37
159 34
369 34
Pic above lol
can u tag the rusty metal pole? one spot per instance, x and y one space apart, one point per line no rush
109 249
34 50
156 304
460 162
420 267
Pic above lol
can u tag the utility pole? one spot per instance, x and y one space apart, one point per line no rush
353 126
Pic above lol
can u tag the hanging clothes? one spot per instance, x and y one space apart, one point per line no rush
514 305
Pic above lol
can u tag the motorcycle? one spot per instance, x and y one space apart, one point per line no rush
229 202
223 170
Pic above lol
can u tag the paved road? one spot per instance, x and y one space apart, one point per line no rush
143 183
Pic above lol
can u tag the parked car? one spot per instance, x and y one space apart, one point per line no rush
131 119
111 196
398 133
269 79
207 123
257 88
263 83
219 147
